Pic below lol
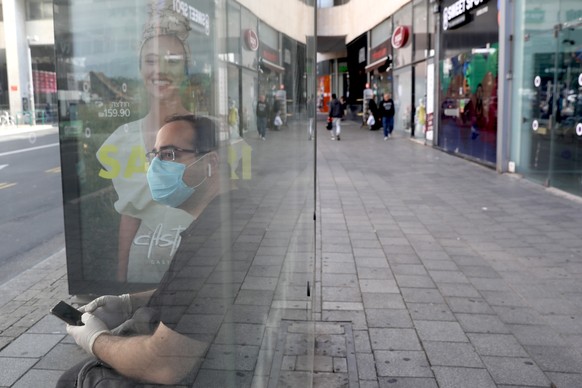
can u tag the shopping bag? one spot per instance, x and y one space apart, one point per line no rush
278 122
371 120
329 124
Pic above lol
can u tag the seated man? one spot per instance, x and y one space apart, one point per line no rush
147 337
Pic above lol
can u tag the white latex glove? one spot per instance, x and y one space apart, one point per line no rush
86 335
113 310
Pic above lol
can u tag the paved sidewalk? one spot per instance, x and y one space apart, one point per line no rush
443 272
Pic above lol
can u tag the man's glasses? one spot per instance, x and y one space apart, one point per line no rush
170 154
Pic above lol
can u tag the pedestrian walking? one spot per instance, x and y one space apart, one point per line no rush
262 113
387 114
373 112
336 114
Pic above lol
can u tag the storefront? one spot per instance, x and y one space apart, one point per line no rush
468 72
357 61
546 138
401 52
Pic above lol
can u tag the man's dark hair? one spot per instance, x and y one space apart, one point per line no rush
333 96
204 128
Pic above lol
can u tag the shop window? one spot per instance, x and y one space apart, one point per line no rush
421 34
39 9
468 111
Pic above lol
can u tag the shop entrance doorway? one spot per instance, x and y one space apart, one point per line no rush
554 153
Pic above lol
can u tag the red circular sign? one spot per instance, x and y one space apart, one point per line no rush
251 40
400 36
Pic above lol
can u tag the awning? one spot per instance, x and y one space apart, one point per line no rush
272 65
374 65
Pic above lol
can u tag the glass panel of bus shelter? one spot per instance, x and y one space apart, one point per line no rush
160 195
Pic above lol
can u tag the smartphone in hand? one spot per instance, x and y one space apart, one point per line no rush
67 313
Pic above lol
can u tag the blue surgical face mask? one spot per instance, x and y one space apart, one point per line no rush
166 181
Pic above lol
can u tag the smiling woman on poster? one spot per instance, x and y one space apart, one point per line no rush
149 233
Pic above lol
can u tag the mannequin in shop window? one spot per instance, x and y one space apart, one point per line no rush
420 118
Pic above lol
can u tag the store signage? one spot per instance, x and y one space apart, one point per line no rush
251 40
579 129
379 52
269 54
457 13
13 88
400 36
199 18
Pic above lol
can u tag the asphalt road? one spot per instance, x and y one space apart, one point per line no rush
31 210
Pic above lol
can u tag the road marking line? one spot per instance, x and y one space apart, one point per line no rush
4 185
29 149
2 166
55 170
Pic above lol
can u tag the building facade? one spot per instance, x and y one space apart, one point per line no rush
447 64
495 82
28 87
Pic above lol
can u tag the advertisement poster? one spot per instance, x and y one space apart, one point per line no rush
123 68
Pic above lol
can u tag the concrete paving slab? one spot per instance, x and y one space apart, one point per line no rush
229 357
452 377
430 312
565 379
472 305
13 368
515 371
402 364
62 357
407 382
422 295
440 331
379 286
556 358
394 339
31 345
482 323
452 354
38 378
388 318
502 345
345 294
